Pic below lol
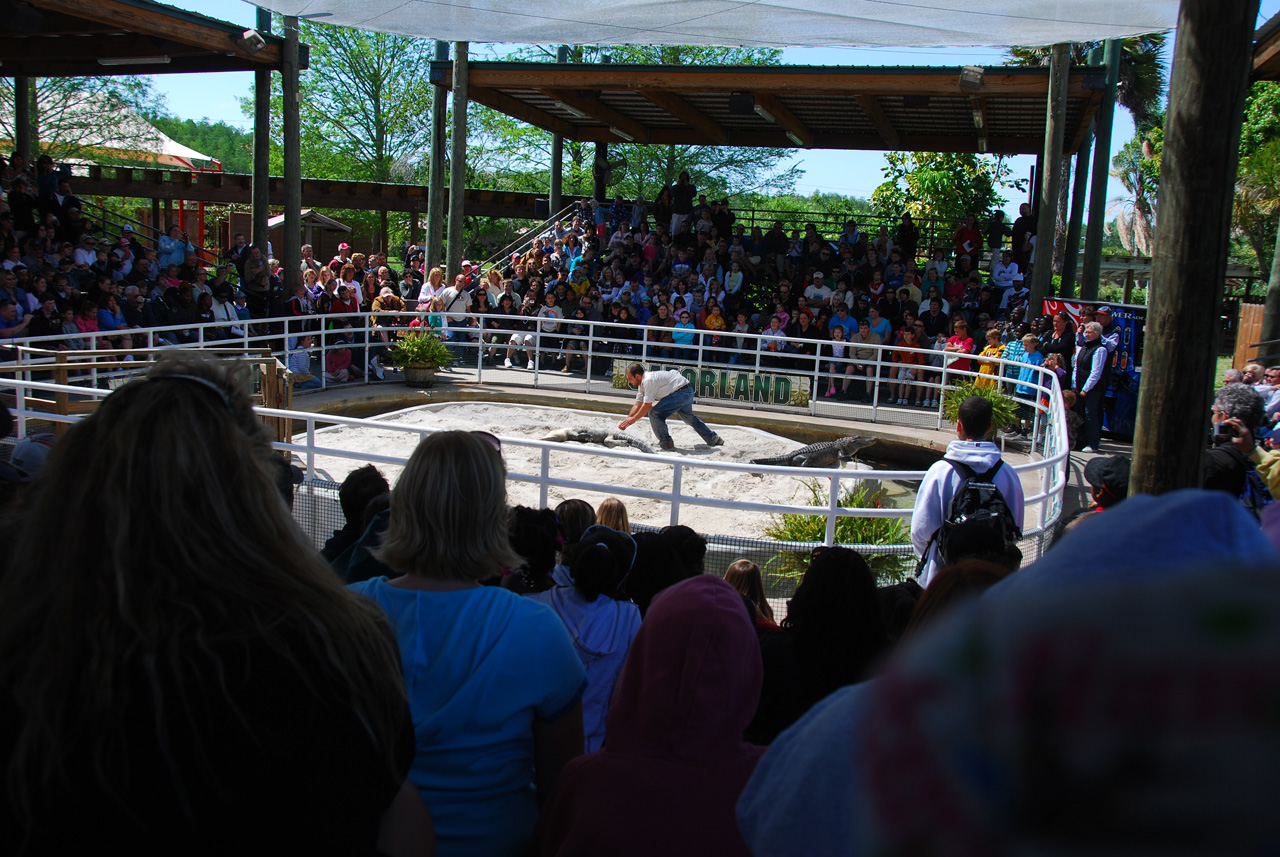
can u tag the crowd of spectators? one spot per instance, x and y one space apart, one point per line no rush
456 676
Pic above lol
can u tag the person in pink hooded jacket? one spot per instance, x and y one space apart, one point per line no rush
674 761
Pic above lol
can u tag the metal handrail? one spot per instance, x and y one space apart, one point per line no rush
527 237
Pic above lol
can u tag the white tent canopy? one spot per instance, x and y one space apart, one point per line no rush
776 23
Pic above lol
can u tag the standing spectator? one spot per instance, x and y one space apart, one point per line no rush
1090 380
174 247
1024 229
970 453
495 685
682 196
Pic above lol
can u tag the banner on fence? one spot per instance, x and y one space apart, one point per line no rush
732 384
1120 408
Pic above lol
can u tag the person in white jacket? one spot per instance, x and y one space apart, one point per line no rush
941 481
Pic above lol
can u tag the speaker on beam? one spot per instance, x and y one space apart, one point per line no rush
542 209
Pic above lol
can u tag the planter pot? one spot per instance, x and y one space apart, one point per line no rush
420 375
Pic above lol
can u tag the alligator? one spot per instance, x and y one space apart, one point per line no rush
829 453
600 436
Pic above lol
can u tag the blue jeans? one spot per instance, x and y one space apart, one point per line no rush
680 404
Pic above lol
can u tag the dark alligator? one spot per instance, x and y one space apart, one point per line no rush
829 453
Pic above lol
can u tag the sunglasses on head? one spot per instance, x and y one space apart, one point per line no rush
490 438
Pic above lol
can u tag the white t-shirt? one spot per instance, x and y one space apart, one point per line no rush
818 292
657 385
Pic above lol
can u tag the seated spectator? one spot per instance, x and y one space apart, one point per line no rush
613 514
1081 669
535 536
573 516
657 567
744 576
257 704
601 626
675 762
495 684
357 489
832 636
1238 412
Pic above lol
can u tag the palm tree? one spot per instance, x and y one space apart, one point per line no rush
1135 214
1257 201
1140 90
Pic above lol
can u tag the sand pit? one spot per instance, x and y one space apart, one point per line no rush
578 462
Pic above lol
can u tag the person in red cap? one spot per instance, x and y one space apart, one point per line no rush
343 258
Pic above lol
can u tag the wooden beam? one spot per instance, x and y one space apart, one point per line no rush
880 119
686 112
1267 53
777 139
1086 122
513 107
1027 83
236 189
785 119
194 64
126 16
598 110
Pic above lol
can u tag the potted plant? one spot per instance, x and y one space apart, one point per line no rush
420 355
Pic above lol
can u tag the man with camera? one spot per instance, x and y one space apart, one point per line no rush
1238 411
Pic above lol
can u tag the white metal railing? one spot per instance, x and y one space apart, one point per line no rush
1049 466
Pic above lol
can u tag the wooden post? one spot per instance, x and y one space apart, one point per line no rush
435 189
22 116
262 145
1211 62
1128 287
291 245
557 152
1091 273
457 161
1075 221
1271 317
155 220
1050 177
413 227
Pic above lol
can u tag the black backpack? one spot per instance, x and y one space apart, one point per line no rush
978 514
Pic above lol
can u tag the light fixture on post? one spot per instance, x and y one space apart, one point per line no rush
155 60
570 109
791 135
250 41
971 78
765 114
977 118
618 132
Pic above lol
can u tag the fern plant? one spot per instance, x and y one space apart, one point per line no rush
1004 409
888 568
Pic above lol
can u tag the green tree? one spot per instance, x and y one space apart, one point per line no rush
1137 165
231 146
90 118
363 110
1254 208
941 185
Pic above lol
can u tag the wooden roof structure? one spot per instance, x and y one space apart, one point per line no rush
1266 50
90 38
999 110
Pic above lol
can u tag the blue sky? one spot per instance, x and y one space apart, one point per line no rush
215 96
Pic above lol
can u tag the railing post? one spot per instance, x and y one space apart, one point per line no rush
942 388
546 474
324 376
677 479
311 445
875 386
817 382
591 349
833 506
537 353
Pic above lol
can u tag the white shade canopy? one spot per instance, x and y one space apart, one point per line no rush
768 23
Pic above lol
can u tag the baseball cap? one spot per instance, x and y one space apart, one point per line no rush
1111 474
30 452
466 263
1102 309
344 246
126 228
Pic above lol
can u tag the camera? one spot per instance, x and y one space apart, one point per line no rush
1224 430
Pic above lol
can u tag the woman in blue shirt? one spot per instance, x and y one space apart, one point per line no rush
494 683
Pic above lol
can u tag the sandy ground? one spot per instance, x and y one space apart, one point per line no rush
578 462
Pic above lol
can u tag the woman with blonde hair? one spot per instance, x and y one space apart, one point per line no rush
186 675
494 682
613 514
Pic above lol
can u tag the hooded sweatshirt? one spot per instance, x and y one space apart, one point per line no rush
940 483
602 631
667 779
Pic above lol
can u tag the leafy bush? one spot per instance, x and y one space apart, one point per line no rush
888 568
1004 408
420 349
